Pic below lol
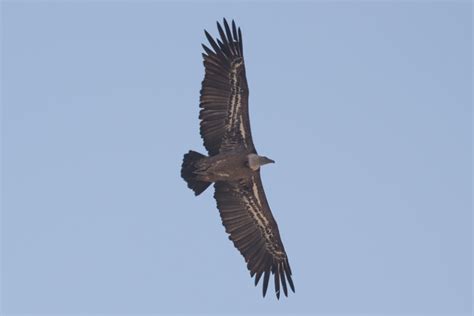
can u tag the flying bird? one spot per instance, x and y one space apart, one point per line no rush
233 164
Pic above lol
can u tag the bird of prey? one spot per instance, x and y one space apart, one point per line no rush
233 164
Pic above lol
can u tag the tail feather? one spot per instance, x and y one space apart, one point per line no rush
187 172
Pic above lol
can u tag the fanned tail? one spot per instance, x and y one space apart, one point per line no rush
187 172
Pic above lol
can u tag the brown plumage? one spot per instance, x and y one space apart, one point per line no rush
233 164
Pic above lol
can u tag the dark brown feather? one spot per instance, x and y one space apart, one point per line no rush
283 280
229 37
288 275
212 42
276 273
257 277
234 32
266 278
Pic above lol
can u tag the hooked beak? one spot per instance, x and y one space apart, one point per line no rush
267 160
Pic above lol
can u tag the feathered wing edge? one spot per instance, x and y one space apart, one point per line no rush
247 218
224 93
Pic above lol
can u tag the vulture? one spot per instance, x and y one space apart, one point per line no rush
232 164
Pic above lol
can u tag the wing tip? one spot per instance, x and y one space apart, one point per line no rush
282 276
231 37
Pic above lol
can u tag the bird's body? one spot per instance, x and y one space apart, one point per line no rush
228 166
233 164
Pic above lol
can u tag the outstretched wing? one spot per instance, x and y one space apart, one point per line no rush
247 218
224 95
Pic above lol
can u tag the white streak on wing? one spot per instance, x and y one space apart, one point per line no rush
255 193
263 223
233 78
242 129
235 101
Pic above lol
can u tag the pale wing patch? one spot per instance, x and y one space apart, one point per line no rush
242 129
254 206
255 193
235 122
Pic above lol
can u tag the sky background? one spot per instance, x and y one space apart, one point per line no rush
365 106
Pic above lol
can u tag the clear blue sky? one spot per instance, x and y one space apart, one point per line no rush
365 106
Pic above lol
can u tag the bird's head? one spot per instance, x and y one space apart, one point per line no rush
255 161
